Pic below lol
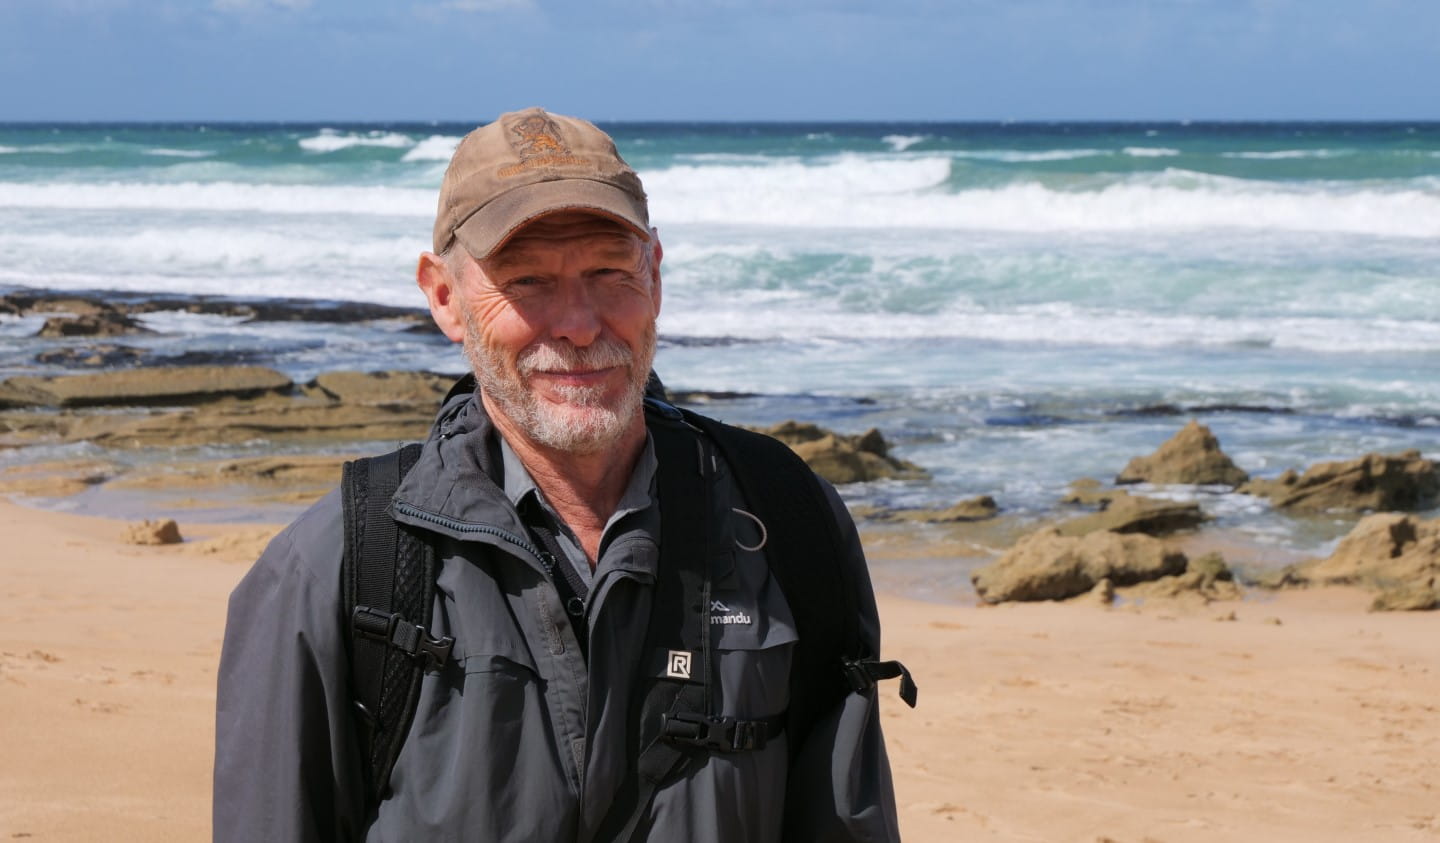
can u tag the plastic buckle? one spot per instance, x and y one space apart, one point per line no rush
410 639
864 674
725 734
857 673
434 652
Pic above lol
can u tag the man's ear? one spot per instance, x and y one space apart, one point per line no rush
435 280
657 252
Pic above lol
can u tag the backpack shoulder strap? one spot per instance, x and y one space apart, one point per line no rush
388 581
807 559
671 713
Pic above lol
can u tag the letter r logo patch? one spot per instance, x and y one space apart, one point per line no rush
678 665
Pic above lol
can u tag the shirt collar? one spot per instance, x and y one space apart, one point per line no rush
519 485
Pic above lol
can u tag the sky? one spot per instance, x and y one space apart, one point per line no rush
723 60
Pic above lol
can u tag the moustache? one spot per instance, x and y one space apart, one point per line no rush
548 357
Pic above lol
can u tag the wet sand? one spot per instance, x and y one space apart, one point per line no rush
1302 718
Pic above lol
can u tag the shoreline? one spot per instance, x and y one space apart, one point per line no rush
1302 718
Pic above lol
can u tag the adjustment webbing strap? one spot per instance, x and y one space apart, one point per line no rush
389 584
574 592
679 616
863 674
372 540
400 635
719 733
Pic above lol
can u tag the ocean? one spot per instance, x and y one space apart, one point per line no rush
1013 305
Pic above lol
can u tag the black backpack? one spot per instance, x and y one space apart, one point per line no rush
389 587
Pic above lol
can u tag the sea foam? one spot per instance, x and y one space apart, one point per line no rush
1013 156
433 148
851 191
180 153
331 140
900 143
1284 154
856 192
223 196
773 317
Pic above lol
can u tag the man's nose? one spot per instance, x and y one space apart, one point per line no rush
576 314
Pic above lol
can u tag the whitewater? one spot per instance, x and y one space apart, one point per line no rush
1009 303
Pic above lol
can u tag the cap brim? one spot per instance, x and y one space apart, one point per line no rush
492 226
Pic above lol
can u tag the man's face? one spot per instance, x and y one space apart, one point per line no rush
560 329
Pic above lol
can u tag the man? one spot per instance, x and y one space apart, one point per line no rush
544 497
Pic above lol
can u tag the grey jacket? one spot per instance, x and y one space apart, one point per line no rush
518 738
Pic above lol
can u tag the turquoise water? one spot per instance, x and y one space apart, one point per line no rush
1010 303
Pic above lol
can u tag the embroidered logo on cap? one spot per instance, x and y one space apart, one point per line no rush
536 139
678 665
536 135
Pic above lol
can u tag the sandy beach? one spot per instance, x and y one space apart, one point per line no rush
1297 716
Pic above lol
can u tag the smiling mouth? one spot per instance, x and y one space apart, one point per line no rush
563 363
562 373
576 375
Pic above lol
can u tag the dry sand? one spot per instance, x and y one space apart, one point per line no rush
1303 718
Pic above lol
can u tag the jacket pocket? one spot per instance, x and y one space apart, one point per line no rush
479 741
754 668
491 674
481 694
496 653
509 663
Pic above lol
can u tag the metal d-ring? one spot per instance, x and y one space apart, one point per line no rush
764 534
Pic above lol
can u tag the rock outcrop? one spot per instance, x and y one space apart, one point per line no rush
1122 512
1091 492
221 405
103 356
270 479
36 302
164 531
384 387
1395 554
218 405
1046 565
103 324
1206 577
842 459
142 387
56 479
1403 482
978 508
1192 456
41 302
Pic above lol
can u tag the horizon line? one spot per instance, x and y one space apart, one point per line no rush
1171 121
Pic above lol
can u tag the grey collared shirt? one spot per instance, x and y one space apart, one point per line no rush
637 501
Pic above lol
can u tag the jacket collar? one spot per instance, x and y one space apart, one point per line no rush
454 479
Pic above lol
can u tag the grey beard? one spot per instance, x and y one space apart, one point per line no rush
583 425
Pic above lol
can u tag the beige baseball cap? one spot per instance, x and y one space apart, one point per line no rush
528 164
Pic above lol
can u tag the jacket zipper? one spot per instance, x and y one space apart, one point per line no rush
470 527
